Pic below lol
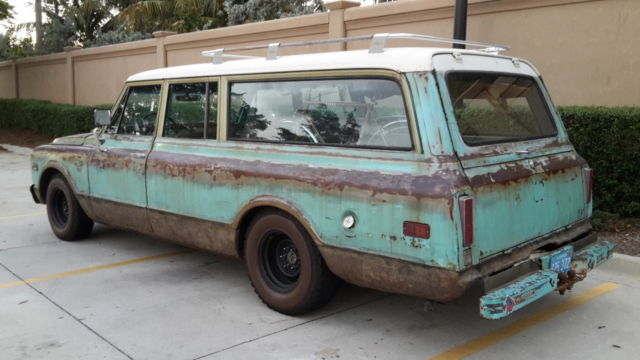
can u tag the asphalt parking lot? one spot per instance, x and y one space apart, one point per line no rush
120 295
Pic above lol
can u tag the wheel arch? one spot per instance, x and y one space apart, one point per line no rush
52 168
263 203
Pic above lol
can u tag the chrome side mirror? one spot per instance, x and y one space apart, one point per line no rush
102 117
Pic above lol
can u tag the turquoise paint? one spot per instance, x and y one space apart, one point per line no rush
74 169
379 217
430 117
514 212
516 295
125 184
503 301
506 216
325 156
592 257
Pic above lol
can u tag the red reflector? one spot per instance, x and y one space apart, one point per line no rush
415 229
588 183
466 217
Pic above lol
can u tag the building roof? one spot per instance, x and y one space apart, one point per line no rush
405 59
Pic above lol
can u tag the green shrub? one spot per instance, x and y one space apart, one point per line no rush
609 139
47 118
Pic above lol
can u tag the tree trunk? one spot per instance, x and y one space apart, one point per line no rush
38 7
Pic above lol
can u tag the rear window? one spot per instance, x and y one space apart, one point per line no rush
338 112
496 108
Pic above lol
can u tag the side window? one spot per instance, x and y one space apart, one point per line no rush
117 114
139 111
345 112
192 110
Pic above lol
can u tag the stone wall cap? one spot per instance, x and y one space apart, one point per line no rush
162 33
341 4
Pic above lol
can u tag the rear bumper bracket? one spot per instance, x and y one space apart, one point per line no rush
531 287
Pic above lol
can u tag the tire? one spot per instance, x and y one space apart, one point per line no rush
67 219
285 267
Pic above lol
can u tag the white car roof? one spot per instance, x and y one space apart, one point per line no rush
405 59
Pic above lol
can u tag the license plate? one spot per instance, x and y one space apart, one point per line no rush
561 262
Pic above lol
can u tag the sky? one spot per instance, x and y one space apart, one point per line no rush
22 13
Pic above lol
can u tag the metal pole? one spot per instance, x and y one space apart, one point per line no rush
206 109
460 23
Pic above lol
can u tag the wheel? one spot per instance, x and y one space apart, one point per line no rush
285 267
67 219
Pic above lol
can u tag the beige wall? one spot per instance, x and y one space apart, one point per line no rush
7 81
98 77
44 80
587 50
186 48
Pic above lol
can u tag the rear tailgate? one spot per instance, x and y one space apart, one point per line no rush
520 200
526 179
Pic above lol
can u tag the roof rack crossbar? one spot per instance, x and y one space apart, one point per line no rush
219 55
377 45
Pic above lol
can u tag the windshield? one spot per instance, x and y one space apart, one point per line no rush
495 108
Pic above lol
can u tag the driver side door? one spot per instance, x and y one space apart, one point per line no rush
117 165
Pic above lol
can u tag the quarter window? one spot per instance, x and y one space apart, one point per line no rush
346 112
140 110
192 111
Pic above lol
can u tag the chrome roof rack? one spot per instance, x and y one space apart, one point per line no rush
377 45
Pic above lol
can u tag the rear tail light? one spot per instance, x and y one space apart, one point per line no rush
588 183
466 217
415 229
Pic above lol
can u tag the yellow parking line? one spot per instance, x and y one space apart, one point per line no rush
523 324
92 269
22 215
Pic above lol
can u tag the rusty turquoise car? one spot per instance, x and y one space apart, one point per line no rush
413 170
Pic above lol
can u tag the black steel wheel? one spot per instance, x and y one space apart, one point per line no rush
280 261
285 267
67 219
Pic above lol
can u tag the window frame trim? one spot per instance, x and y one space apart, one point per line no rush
124 96
165 104
398 78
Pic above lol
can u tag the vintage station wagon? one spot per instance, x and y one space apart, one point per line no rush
413 170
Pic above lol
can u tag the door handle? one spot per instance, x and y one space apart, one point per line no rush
104 149
139 155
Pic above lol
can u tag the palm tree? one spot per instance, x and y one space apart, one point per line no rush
88 16
38 8
5 10
178 15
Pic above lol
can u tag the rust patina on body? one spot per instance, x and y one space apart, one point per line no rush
391 275
422 178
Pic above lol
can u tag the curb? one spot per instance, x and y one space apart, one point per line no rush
17 149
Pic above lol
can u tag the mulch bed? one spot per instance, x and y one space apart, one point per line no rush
627 240
24 138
